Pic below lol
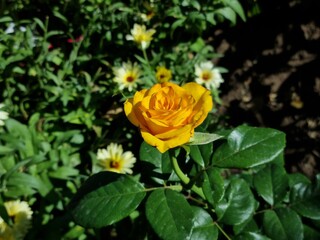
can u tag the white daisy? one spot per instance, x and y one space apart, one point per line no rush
127 76
21 214
3 115
114 159
207 75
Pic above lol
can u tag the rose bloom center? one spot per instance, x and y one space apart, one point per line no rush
171 108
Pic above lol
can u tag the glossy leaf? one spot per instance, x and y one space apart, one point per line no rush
305 199
156 163
282 224
271 183
249 225
249 146
238 204
196 155
201 154
213 185
106 198
169 214
251 236
203 225
200 138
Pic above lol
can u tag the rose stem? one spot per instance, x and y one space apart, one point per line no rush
184 178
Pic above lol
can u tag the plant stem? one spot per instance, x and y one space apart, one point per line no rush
145 56
184 178
223 232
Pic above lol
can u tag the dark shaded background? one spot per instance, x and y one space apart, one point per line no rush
274 76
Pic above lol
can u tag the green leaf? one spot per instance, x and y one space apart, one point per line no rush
6 19
295 178
249 146
64 172
271 183
201 154
249 225
200 138
4 150
236 6
198 45
311 233
304 199
178 23
196 155
251 236
20 131
228 13
106 198
203 225
210 18
213 185
157 164
24 184
40 24
238 204
282 224
169 214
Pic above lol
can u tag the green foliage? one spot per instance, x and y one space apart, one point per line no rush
106 198
173 210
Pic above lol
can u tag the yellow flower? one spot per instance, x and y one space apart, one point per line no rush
147 16
207 75
6 232
127 76
167 114
163 74
115 160
3 115
21 212
141 36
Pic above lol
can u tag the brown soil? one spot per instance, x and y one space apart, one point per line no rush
274 77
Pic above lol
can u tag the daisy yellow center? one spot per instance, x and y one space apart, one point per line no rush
163 74
115 164
206 75
130 77
141 37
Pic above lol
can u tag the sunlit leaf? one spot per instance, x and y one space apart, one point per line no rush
249 146
200 138
238 204
106 198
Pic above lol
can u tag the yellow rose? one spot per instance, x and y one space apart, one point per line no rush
167 114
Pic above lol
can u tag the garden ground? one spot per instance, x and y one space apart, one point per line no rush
274 77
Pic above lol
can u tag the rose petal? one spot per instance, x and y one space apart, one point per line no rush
204 102
164 144
128 109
